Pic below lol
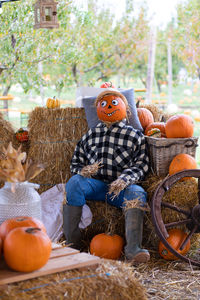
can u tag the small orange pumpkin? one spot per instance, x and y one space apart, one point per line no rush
23 221
175 239
159 125
0 246
26 249
179 126
107 246
182 162
145 117
111 109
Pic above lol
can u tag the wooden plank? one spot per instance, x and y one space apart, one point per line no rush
64 251
58 264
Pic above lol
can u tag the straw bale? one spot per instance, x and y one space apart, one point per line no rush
105 218
158 114
110 280
53 135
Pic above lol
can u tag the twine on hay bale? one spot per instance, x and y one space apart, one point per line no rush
183 194
54 134
110 280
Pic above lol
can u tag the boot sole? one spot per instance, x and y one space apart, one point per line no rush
139 258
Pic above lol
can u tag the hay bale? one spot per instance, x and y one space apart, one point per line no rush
158 114
110 280
53 135
105 218
183 194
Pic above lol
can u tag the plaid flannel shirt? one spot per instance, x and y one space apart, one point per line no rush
120 148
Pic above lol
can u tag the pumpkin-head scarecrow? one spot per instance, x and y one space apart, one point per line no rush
108 162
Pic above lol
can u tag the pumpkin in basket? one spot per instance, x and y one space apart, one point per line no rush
26 249
182 162
179 126
145 117
107 246
158 125
23 221
175 239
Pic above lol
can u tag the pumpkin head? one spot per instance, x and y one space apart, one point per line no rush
158 125
111 106
145 117
179 126
23 221
26 249
107 246
182 162
175 239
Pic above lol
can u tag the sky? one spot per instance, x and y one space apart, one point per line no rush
160 11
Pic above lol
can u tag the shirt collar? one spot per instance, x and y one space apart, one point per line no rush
117 124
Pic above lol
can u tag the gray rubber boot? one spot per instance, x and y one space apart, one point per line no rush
133 233
71 220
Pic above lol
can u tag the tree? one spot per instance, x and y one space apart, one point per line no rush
187 36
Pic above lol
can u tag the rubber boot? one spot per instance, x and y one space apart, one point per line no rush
71 220
133 233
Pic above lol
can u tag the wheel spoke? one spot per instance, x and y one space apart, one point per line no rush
177 223
173 207
188 237
199 189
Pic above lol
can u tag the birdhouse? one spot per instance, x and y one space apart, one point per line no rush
46 14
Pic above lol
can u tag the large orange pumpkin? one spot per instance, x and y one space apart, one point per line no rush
159 125
179 126
182 162
107 246
175 239
111 109
145 116
26 249
23 221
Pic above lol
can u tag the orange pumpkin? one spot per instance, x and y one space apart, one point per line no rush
175 239
182 162
107 246
145 117
159 125
23 221
26 249
179 126
0 246
111 109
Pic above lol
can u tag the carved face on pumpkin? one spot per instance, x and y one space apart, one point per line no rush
111 108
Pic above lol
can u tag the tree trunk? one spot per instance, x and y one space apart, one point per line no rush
151 62
5 93
169 56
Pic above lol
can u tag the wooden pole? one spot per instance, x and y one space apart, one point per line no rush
151 63
170 79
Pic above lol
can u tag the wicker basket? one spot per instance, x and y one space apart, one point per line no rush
162 151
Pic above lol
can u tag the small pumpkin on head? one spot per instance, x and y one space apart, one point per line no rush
112 106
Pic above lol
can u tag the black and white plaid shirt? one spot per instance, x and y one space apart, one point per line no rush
120 148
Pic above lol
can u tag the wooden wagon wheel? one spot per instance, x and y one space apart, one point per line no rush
190 218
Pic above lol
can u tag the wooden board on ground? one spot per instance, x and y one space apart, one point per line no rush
61 259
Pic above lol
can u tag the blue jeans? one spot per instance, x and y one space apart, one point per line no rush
79 189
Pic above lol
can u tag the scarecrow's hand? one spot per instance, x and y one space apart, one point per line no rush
90 170
116 187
